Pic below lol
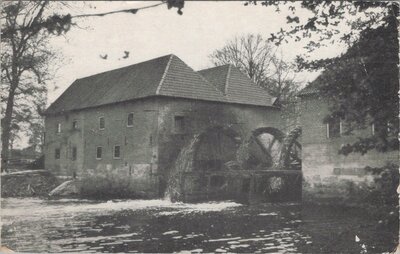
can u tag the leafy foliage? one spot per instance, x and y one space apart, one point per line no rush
380 198
26 67
361 84
368 93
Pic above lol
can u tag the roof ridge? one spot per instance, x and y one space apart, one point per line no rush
209 83
214 67
228 74
245 75
204 79
123 67
164 74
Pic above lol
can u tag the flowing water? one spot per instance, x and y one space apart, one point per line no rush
72 225
183 163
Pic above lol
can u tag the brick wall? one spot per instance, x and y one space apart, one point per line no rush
136 143
325 172
151 145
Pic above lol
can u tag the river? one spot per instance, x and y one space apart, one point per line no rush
73 225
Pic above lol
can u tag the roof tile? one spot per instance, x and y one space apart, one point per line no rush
163 76
237 87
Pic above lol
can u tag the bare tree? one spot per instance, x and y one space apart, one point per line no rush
26 27
282 81
258 58
250 53
27 65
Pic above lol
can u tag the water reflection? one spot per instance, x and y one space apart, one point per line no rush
68 225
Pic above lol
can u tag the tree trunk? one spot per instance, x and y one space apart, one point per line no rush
6 129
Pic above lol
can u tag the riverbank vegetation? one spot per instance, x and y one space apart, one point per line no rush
29 183
380 199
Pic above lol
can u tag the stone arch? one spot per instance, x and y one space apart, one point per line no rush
262 150
216 147
271 130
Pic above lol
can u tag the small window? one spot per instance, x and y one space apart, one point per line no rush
179 124
333 128
74 153
58 130
130 120
99 152
57 153
117 152
373 129
75 125
102 123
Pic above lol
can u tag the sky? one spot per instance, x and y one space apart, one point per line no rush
204 27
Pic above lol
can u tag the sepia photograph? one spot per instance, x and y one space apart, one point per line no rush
182 126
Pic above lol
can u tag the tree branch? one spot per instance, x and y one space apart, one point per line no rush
131 11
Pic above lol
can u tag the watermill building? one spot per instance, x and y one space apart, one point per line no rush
136 120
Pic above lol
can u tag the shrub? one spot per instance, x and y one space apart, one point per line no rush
37 164
385 188
380 199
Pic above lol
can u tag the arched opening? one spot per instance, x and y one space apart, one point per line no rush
264 148
216 148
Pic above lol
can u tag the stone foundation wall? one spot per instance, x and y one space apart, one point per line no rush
243 185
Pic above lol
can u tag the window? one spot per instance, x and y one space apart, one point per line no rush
99 152
373 129
179 124
102 123
74 153
333 128
58 129
130 120
57 153
75 125
117 152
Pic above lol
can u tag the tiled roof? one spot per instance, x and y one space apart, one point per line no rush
217 76
163 76
182 81
134 81
311 88
236 86
167 75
